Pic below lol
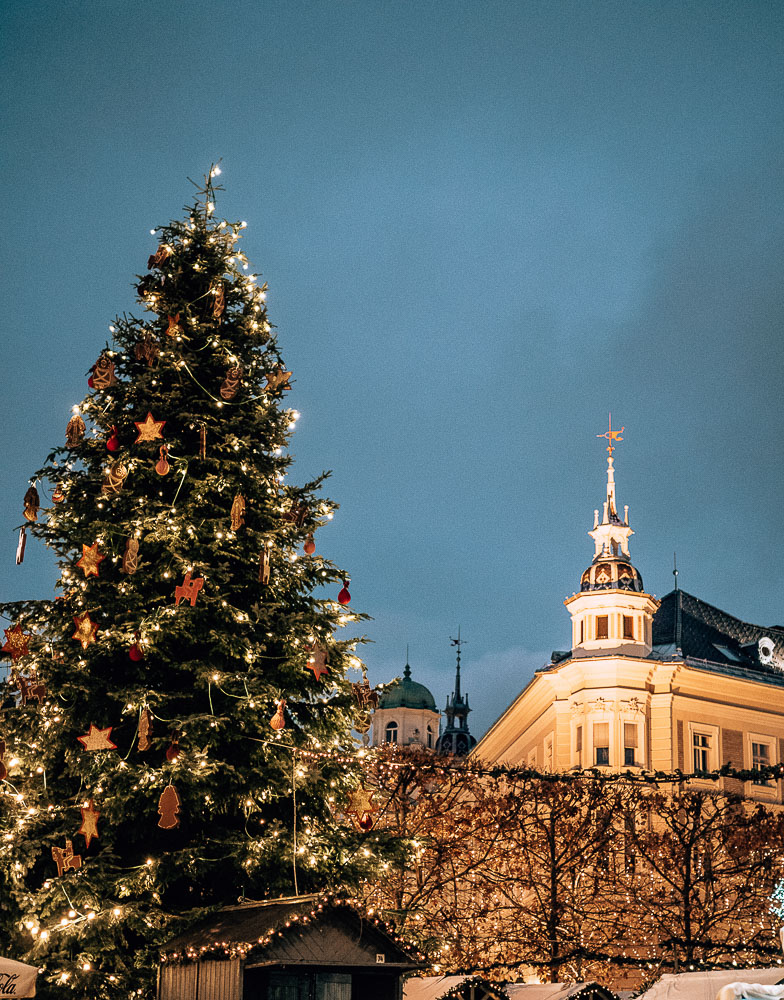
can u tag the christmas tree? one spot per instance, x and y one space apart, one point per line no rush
176 725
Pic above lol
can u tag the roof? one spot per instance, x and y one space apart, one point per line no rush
704 636
270 927
436 987
558 991
406 693
705 985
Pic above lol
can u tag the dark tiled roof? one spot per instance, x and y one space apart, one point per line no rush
252 923
688 627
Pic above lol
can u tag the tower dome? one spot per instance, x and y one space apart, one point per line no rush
611 573
406 693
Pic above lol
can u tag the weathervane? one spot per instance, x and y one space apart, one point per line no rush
457 642
610 435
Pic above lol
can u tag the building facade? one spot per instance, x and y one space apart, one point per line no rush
667 685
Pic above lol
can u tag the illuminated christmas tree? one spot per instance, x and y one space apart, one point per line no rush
172 721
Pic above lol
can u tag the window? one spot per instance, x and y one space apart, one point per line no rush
306 985
429 736
601 627
760 758
391 732
601 743
628 627
705 744
701 745
582 630
578 739
630 740
548 754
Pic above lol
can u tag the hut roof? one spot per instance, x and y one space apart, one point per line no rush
284 930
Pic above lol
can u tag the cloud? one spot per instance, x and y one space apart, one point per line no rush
494 680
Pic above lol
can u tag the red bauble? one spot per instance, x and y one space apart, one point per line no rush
135 652
365 822
173 752
310 545
90 382
114 442
344 597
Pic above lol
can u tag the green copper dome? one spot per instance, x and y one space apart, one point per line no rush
407 694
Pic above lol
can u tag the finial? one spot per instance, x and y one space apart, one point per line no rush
457 642
675 570
407 671
610 435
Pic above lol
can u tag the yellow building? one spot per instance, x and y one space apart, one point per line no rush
648 684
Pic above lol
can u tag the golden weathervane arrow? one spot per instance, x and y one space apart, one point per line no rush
610 435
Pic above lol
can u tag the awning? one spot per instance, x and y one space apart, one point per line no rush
16 979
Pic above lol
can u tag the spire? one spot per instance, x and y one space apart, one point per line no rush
611 534
610 435
455 737
407 671
457 642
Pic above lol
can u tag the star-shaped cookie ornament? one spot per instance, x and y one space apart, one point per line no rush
149 429
89 827
91 559
16 643
97 739
361 802
85 629
317 662
279 379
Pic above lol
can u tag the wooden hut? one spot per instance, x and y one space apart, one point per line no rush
300 948
452 988
559 991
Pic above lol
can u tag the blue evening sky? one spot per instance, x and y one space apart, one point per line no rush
484 225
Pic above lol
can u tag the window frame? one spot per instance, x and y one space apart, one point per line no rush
595 748
391 725
712 732
639 751
768 789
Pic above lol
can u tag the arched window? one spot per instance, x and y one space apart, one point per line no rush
390 734
429 736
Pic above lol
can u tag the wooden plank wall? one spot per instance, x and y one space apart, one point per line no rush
203 980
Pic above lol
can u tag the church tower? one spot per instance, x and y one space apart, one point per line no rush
456 738
612 612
